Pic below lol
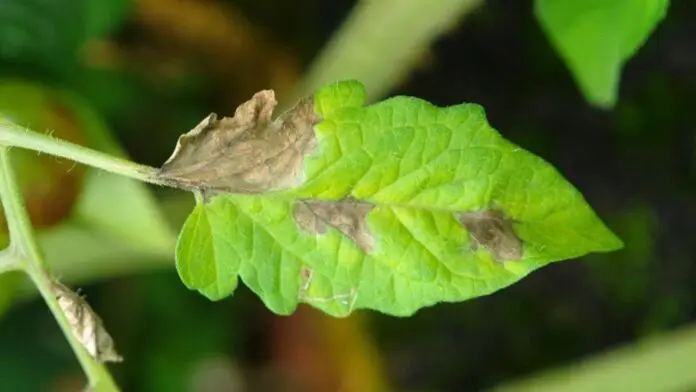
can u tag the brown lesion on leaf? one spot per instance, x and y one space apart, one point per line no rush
306 275
347 216
493 230
247 153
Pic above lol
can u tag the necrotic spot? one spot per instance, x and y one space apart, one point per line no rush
347 216
492 230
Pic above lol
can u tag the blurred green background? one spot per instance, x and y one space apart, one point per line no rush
129 76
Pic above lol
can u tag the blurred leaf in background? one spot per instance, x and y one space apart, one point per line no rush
597 37
44 37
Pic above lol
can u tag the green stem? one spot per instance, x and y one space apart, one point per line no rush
98 375
8 260
22 242
24 253
12 135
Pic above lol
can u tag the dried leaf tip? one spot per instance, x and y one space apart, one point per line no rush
493 230
247 153
87 327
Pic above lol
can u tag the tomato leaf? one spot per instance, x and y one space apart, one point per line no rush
398 205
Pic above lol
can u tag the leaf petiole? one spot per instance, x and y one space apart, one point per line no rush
12 135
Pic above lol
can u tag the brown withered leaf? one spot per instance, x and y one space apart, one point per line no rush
247 153
87 327
492 230
347 216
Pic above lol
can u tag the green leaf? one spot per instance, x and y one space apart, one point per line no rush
205 258
402 205
45 35
596 37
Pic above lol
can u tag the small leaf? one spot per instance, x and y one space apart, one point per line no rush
596 37
204 258
402 205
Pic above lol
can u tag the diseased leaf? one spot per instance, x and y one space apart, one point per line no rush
402 205
596 37
87 327
248 153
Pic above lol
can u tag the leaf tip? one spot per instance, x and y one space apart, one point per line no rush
599 96
613 242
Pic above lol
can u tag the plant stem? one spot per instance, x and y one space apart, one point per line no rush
24 253
97 374
22 242
8 261
12 135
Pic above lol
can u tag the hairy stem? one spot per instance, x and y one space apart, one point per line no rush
12 135
24 253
